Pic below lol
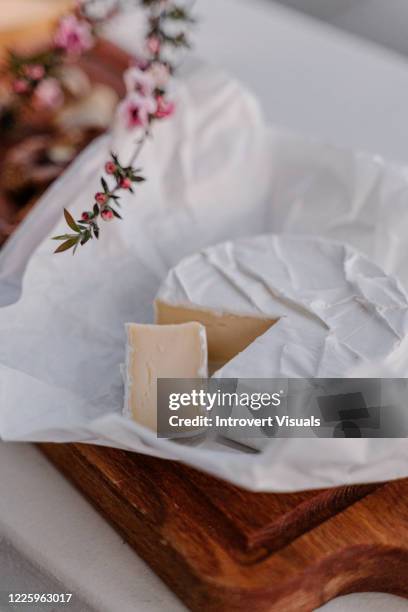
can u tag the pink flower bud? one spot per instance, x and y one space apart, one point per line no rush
48 94
101 198
85 216
110 167
125 183
74 36
20 86
107 215
141 63
165 108
153 44
34 71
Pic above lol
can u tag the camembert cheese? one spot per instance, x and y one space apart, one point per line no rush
286 306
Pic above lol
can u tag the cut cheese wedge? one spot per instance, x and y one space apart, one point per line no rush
153 352
227 333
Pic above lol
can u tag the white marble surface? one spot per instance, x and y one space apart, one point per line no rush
311 78
51 526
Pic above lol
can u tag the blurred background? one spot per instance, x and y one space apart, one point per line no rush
382 22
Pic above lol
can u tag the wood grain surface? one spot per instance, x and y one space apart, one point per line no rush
221 548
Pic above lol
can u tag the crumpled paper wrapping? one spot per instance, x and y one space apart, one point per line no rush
215 173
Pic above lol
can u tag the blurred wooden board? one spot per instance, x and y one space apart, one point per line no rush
104 64
221 548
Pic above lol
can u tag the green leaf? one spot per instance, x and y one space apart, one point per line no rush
67 245
86 236
63 237
104 185
70 220
116 214
138 179
177 14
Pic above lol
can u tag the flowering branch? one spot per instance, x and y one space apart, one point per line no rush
146 102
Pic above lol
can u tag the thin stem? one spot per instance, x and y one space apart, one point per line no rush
104 206
139 147
135 155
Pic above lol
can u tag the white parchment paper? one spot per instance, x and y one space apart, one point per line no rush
215 172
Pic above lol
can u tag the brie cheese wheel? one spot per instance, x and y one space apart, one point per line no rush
286 306
165 351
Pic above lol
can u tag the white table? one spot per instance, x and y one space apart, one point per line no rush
311 78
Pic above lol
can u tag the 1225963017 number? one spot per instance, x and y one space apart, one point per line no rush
39 598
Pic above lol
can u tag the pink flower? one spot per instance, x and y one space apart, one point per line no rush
20 86
85 216
73 35
48 94
153 44
110 167
101 198
138 81
125 183
136 110
107 215
141 62
34 71
160 74
165 108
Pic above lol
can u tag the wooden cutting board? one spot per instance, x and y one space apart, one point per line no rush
104 64
221 548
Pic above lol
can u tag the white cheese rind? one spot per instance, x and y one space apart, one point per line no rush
337 308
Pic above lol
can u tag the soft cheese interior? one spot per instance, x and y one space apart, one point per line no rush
165 351
334 307
228 333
